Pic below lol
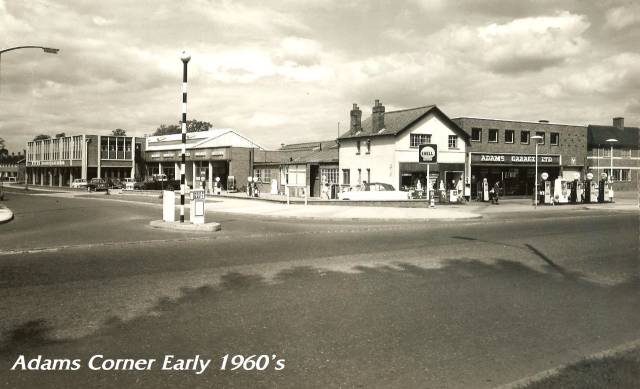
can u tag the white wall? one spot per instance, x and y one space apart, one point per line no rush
388 151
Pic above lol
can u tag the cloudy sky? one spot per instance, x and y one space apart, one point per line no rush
285 71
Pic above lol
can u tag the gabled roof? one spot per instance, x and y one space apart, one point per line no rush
218 137
598 135
397 121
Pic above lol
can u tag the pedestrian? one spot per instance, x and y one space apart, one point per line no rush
496 192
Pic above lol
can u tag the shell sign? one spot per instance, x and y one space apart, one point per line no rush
428 153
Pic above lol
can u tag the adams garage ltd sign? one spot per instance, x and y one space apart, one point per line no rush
513 159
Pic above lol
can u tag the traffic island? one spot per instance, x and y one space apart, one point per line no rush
205 227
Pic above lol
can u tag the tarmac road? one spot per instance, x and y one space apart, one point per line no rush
347 304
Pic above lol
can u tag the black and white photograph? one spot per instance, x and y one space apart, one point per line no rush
320 194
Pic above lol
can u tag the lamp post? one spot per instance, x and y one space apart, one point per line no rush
611 141
535 188
185 57
49 50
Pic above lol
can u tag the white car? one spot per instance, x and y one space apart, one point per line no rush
375 191
129 183
79 183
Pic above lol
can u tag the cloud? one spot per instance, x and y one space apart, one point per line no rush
620 18
532 44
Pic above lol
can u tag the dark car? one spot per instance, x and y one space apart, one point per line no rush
161 185
114 183
96 184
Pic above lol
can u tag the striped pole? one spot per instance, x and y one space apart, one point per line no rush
185 59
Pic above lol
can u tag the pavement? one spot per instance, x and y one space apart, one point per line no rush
239 204
345 303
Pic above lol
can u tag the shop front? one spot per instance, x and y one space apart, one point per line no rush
515 172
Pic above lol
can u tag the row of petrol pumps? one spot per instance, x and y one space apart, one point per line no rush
563 191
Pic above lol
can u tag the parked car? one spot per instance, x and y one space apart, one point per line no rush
129 183
114 183
96 184
161 185
79 183
375 191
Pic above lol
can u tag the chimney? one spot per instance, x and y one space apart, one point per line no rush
618 123
356 119
543 121
377 117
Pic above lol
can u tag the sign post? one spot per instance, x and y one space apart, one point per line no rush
428 153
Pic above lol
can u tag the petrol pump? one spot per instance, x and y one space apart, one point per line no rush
545 189
485 190
587 188
249 186
561 191
575 196
579 191
602 187
217 188
593 188
606 187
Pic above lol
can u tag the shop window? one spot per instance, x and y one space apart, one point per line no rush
493 135
416 140
358 147
554 139
453 142
509 136
346 176
524 137
476 134
542 134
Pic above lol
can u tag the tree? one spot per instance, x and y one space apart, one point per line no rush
1 144
60 135
41 137
119 132
192 126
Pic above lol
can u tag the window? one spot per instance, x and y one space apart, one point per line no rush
358 147
509 136
493 136
624 175
476 134
256 174
453 142
359 176
416 140
524 137
368 175
554 139
330 174
368 146
542 134
346 176
266 175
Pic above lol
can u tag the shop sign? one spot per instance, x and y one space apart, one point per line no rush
428 153
514 159
49 163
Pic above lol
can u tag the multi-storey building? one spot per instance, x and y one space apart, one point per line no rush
623 164
503 150
58 161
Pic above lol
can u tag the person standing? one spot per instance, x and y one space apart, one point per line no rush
496 192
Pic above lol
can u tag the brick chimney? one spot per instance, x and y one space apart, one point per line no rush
377 117
356 119
618 123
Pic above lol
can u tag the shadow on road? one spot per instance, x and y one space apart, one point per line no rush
465 324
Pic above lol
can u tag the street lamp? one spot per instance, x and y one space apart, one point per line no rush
535 188
49 50
185 57
611 141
